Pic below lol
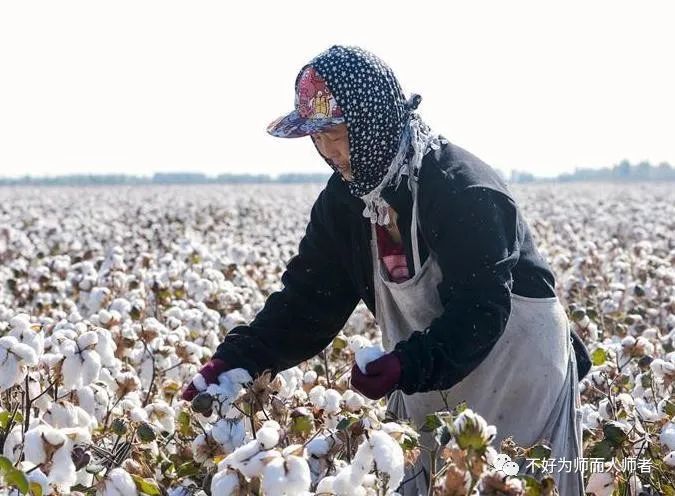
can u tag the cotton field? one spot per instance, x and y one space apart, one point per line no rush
112 298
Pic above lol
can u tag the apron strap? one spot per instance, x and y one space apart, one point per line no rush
413 227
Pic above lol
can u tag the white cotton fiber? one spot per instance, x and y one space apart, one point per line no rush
229 434
357 343
286 476
333 399
317 395
268 435
225 483
310 377
319 446
667 436
119 482
353 401
388 456
366 355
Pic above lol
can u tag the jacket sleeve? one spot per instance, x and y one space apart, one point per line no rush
300 320
475 236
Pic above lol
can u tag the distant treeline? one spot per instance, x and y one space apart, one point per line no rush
161 178
623 171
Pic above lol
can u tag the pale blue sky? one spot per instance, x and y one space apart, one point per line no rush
147 86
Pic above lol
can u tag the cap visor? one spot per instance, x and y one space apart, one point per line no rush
295 126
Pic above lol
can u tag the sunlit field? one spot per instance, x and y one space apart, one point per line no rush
111 298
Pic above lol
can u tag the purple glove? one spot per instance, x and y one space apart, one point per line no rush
382 376
210 373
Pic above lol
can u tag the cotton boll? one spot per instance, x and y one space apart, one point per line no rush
333 399
244 452
200 448
239 376
62 471
138 414
94 399
63 414
388 456
590 418
80 435
624 401
91 366
317 396
13 444
319 445
299 396
118 482
86 400
470 429
353 401
34 448
601 483
225 483
357 343
27 333
25 353
309 378
362 462
291 378
368 354
84 478
604 409
648 411
254 466
35 475
104 317
274 478
662 369
667 436
230 434
145 370
70 370
286 476
11 370
325 485
126 382
268 434
162 415
635 485
199 382
87 340
347 483
20 322
396 430
14 357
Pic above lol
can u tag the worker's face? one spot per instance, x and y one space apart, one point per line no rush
333 144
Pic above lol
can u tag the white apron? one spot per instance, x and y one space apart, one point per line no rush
526 387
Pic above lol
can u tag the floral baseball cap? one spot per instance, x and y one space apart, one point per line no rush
315 108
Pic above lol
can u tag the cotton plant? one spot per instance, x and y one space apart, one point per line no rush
380 452
15 359
81 364
161 275
117 482
46 446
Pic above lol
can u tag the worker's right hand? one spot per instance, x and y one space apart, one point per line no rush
209 373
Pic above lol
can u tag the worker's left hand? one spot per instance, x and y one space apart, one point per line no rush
382 376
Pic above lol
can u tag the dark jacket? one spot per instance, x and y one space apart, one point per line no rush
484 247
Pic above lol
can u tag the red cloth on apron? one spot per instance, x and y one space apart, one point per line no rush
392 255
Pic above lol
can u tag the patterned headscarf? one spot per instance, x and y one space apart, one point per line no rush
387 139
